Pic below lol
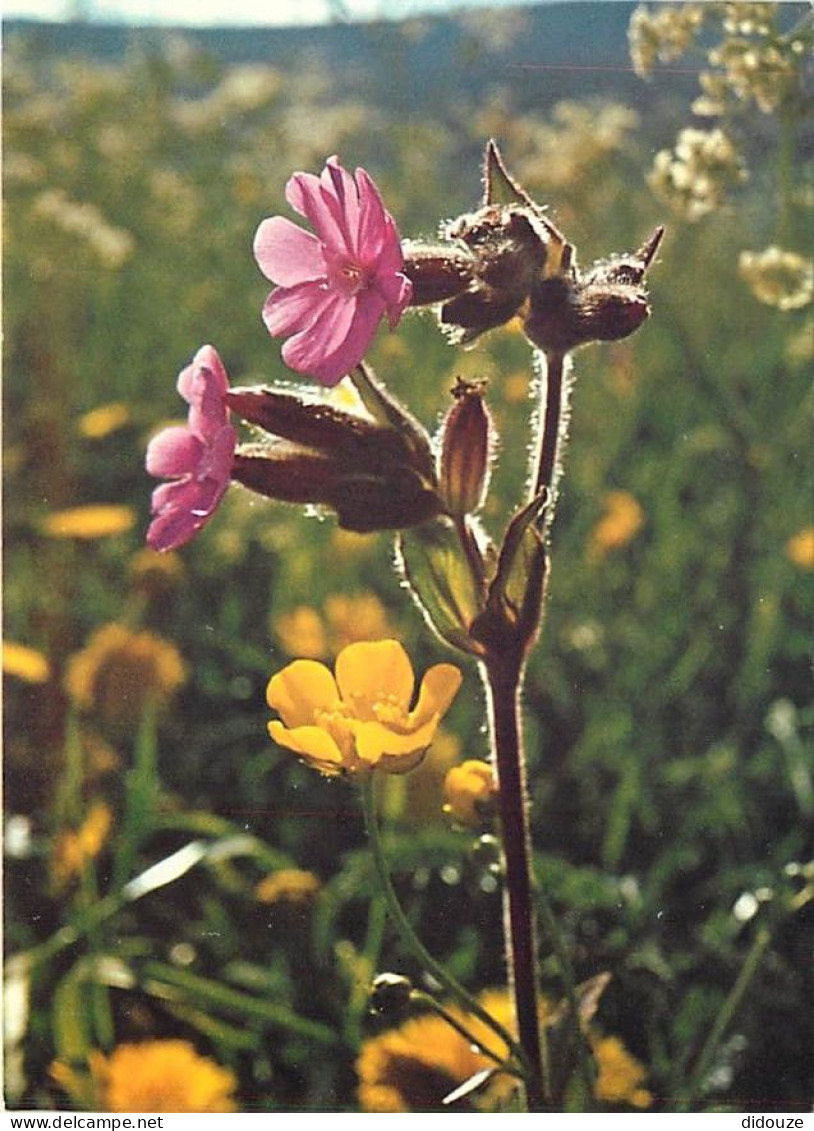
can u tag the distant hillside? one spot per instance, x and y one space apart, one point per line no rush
539 54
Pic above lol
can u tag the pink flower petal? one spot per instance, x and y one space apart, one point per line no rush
332 348
338 181
173 527
395 292
291 309
286 254
173 452
373 230
197 458
304 192
311 350
333 290
206 373
179 494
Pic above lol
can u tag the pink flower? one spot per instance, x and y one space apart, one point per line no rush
333 287
197 457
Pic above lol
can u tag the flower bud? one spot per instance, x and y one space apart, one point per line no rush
470 791
391 995
437 273
466 450
365 497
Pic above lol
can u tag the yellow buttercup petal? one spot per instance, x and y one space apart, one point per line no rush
376 743
438 688
375 671
300 690
310 742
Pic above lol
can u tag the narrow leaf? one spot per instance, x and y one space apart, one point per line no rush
440 579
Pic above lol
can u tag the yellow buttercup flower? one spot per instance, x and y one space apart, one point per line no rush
289 885
120 671
622 520
619 1075
104 420
800 548
360 719
25 663
470 791
413 1067
89 522
154 1076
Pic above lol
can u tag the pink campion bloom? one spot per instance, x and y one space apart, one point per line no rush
333 288
197 457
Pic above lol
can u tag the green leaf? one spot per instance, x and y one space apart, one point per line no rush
72 1031
440 579
516 592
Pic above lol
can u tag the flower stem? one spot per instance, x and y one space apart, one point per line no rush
553 408
581 1046
726 1016
408 935
503 676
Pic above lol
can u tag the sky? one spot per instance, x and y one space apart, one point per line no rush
202 13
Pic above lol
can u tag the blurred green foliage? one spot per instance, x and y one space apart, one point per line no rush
668 701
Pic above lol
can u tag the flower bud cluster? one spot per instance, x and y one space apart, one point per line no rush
507 260
697 175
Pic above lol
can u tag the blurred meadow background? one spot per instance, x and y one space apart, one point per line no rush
177 887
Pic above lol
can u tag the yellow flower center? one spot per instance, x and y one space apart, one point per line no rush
337 721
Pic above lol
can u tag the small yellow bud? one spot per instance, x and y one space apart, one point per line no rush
470 791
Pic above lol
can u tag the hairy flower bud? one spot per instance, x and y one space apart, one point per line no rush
437 272
508 260
375 473
466 449
391 996
365 497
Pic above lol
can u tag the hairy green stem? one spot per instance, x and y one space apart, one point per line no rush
503 680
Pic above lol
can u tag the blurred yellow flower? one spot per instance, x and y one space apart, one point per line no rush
301 633
622 520
619 1075
92 521
800 548
355 617
289 885
470 791
347 618
73 849
104 420
120 671
156 574
361 719
154 1076
25 663
413 1067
